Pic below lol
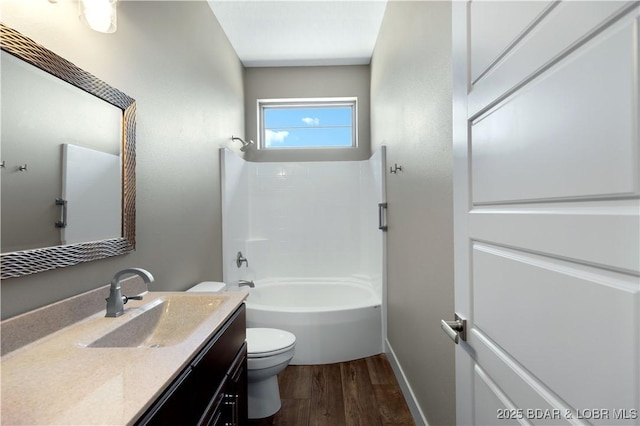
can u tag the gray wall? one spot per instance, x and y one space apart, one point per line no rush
308 82
411 114
174 59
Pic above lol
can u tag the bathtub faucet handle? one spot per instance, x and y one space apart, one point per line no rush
240 259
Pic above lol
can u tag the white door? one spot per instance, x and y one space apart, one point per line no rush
547 223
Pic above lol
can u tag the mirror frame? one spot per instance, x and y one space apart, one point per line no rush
26 262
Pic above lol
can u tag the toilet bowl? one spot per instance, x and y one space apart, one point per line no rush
269 351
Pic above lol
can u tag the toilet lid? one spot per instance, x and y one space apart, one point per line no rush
268 341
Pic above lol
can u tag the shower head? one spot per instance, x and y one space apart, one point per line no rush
245 145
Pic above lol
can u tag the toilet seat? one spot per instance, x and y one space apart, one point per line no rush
265 342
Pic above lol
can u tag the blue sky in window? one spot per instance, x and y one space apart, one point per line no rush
308 127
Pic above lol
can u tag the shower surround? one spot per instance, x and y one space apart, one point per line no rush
305 221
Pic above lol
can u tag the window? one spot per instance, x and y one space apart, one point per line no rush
307 123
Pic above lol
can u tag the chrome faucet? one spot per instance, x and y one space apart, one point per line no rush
116 301
250 284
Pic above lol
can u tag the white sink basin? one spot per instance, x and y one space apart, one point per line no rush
166 321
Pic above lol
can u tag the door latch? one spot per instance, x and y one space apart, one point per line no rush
455 329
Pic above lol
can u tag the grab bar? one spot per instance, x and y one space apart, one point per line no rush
382 217
62 223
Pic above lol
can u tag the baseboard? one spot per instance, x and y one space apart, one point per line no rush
409 396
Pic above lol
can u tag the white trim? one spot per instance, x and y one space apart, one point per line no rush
407 392
461 206
302 101
308 103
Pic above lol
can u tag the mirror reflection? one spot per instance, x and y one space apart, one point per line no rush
58 142
68 162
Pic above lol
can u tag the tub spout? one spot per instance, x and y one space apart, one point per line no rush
250 284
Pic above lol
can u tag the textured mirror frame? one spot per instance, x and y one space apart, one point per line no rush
26 262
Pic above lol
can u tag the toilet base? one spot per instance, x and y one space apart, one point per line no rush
264 398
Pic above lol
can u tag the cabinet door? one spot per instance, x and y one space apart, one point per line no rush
213 389
229 405
215 414
174 406
212 365
236 393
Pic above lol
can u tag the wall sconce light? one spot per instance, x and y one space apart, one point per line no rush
99 15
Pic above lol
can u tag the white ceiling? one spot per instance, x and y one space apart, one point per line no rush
301 32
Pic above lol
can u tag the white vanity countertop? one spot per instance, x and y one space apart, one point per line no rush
57 380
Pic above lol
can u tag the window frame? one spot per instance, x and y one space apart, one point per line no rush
263 104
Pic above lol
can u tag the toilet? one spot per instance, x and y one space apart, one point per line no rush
269 351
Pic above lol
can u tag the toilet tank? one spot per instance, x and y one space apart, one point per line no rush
209 286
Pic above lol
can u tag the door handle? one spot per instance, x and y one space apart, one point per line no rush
382 207
455 329
63 222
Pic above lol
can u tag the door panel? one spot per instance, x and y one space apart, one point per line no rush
547 214
491 37
570 133
491 403
523 389
599 233
563 27
572 326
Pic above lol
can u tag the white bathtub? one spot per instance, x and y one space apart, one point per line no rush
334 319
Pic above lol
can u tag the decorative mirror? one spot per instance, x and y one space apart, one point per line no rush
73 157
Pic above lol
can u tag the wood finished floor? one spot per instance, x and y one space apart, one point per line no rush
363 392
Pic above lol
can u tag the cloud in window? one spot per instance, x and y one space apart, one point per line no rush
275 137
311 121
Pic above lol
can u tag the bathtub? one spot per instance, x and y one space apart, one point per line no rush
334 319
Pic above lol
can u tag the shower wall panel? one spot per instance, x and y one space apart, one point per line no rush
372 190
235 212
307 219
307 214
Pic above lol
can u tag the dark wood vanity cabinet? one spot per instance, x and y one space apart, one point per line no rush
212 390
